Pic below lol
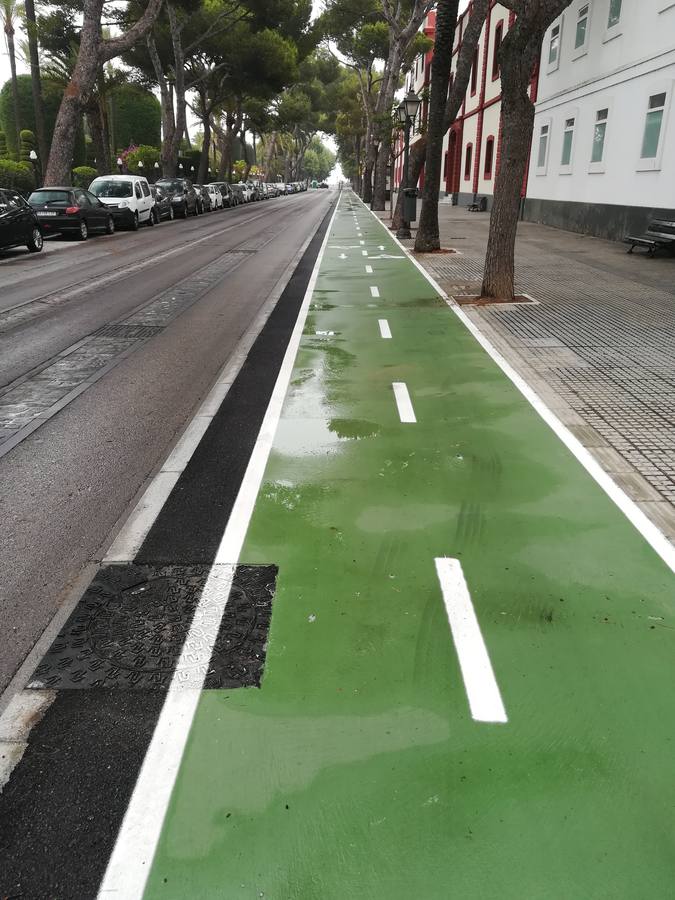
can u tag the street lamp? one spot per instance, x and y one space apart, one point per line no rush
140 166
180 166
156 170
34 162
406 112
119 164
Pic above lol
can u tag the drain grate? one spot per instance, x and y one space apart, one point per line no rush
129 331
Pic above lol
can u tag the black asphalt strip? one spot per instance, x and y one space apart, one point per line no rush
62 808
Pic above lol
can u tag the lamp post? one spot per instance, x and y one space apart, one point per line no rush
34 162
119 164
156 170
407 112
140 166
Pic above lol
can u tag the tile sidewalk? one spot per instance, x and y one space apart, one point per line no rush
599 346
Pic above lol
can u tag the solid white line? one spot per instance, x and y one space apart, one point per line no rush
374 291
479 679
403 402
131 859
385 330
369 270
649 531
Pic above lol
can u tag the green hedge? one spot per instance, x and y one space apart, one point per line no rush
148 156
83 176
16 175
136 116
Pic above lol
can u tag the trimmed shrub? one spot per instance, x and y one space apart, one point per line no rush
16 175
145 154
27 144
83 176
4 151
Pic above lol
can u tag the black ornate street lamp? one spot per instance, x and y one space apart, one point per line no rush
406 112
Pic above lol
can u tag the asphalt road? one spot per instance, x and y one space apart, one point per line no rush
68 484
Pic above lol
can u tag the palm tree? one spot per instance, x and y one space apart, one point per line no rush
36 81
8 13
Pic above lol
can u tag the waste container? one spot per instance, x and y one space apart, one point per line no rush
410 204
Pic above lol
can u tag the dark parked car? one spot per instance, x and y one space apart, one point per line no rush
163 208
238 193
229 199
203 198
18 223
67 210
182 193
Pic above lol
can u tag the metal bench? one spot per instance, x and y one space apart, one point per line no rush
659 236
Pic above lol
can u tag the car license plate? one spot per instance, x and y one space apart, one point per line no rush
44 212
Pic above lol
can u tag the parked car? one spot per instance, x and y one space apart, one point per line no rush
215 194
183 195
67 210
238 193
203 198
323 184
228 198
127 197
246 191
163 208
18 222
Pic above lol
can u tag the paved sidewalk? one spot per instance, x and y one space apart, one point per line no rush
599 347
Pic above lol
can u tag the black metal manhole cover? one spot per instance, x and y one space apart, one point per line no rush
130 331
129 629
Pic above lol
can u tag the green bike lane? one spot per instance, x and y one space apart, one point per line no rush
356 770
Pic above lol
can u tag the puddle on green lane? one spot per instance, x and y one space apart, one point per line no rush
354 429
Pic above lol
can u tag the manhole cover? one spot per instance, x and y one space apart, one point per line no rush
129 629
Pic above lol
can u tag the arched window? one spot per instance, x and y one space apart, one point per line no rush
489 156
467 162
474 72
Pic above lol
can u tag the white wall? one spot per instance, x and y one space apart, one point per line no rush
618 70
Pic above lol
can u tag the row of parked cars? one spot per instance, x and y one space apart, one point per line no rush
118 201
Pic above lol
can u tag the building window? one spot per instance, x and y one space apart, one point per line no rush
499 34
489 157
653 124
542 148
614 16
467 162
568 139
474 72
581 36
554 48
598 151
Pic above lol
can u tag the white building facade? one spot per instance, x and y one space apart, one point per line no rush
603 148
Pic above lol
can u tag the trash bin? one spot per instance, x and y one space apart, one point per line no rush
410 204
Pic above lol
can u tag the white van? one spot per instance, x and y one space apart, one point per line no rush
127 197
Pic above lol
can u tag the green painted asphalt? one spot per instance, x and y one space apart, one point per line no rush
356 770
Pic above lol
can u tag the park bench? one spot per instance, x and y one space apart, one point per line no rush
660 235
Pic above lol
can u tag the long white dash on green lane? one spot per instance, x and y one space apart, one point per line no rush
369 270
404 405
385 330
364 253
374 291
482 690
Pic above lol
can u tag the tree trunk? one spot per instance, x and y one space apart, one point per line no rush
428 235
93 113
36 84
75 97
179 89
206 146
380 179
269 155
9 34
167 163
418 153
517 124
91 54
371 159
